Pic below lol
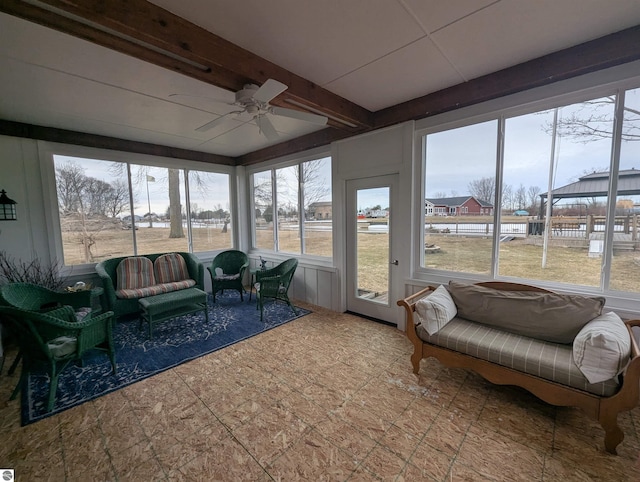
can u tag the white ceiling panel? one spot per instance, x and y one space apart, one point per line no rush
403 75
318 40
435 14
513 31
34 44
375 53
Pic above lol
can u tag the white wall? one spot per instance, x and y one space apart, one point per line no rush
379 153
20 177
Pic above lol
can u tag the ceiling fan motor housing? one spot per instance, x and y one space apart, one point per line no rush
245 96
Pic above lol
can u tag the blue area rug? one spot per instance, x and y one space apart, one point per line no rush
174 342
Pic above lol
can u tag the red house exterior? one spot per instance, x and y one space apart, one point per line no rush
457 206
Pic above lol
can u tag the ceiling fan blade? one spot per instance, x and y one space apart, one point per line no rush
269 90
304 116
266 127
213 123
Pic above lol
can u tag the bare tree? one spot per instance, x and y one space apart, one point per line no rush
593 121
483 189
507 197
520 197
440 195
533 198
315 187
70 185
118 200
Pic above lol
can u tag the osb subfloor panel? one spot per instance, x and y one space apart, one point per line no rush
326 397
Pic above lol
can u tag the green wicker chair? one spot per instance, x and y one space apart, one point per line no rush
55 339
227 272
32 297
28 296
274 283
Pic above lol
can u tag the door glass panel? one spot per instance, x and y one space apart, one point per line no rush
372 245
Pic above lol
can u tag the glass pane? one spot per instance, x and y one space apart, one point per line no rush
211 226
556 248
287 201
316 189
263 205
460 182
93 197
626 240
372 244
159 210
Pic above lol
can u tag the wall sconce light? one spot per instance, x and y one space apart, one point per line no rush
7 208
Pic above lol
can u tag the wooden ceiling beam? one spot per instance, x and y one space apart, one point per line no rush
64 136
150 33
602 53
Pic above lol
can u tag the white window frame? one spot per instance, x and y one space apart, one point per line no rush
46 151
288 161
607 82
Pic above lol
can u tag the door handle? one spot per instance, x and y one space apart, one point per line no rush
395 261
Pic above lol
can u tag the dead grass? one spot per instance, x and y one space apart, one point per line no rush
457 253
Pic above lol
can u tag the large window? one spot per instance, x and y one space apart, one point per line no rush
529 195
459 196
109 208
292 208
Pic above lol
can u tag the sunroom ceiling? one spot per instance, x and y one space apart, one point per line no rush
361 56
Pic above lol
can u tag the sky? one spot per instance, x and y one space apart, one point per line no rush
459 156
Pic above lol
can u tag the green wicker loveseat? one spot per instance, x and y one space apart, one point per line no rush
149 278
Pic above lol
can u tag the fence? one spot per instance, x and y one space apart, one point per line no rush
578 227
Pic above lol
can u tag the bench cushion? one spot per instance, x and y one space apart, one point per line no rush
169 268
134 272
155 289
551 361
550 317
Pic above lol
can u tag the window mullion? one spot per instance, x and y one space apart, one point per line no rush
132 214
497 211
274 209
616 145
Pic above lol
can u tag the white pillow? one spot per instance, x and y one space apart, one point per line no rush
602 348
436 310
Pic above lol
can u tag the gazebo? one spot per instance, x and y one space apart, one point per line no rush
591 185
596 184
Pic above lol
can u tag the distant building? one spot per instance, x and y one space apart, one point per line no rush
457 206
320 210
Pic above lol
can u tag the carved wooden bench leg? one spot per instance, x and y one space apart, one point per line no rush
613 434
415 360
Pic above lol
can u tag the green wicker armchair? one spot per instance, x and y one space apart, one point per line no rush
56 339
274 283
28 296
227 272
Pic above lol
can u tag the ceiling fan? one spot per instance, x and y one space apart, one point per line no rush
255 100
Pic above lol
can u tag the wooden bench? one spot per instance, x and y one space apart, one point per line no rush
604 409
170 305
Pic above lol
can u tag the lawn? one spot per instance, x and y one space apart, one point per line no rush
470 254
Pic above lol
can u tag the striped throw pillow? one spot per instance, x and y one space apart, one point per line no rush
170 268
134 272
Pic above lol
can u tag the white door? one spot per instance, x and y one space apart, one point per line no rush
372 264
